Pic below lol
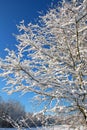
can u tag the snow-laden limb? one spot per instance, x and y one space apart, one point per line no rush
51 60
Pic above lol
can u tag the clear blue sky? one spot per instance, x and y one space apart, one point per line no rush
11 13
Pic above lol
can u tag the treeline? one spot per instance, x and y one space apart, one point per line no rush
10 110
13 114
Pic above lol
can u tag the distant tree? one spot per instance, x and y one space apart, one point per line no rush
51 61
10 112
2 106
14 109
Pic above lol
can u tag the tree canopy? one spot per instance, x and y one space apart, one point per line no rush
51 60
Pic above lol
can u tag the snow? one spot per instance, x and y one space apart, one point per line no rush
60 127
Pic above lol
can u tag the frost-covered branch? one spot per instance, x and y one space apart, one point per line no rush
51 60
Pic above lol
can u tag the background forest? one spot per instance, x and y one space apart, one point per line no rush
12 114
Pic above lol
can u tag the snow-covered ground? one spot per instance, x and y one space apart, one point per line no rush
63 127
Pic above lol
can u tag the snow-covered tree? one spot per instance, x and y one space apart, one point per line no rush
51 60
